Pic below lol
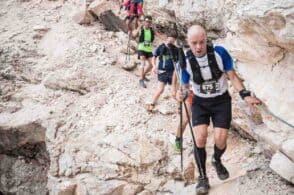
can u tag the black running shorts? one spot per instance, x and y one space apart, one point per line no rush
218 109
144 53
165 77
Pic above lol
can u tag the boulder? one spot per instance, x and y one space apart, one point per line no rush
83 17
288 148
103 9
283 166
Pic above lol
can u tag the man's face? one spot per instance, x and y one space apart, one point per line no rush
148 23
197 43
170 40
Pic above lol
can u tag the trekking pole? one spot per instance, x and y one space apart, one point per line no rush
194 141
127 59
181 105
179 76
188 116
181 120
129 49
181 59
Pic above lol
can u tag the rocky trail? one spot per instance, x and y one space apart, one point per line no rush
72 121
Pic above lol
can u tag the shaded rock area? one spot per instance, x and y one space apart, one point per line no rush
24 160
102 10
29 175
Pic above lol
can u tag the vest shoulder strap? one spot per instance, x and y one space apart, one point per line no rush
192 60
162 50
152 34
182 58
195 67
213 65
142 35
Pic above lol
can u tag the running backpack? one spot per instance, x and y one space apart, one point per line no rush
172 51
142 35
215 71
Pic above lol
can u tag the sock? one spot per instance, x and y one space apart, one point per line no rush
178 138
201 160
218 153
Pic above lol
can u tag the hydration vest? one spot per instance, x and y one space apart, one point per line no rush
142 35
171 52
215 71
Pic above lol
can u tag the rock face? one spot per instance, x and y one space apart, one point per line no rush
259 36
267 47
262 43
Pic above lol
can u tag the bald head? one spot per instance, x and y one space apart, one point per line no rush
196 29
196 38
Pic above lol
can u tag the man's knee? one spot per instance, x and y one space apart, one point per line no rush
149 62
142 58
220 137
201 135
160 89
221 133
201 141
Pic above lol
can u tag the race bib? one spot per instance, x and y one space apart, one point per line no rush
210 87
147 44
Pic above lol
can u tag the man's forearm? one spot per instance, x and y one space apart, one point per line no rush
236 81
238 85
154 62
174 82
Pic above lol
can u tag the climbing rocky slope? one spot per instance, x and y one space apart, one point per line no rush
72 121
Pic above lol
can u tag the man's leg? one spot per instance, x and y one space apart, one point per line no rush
142 72
128 23
221 121
201 133
148 66
136 22
143 64
200 119
186 118
185 121
159 91
220 137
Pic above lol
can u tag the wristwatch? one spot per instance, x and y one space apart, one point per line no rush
244 93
